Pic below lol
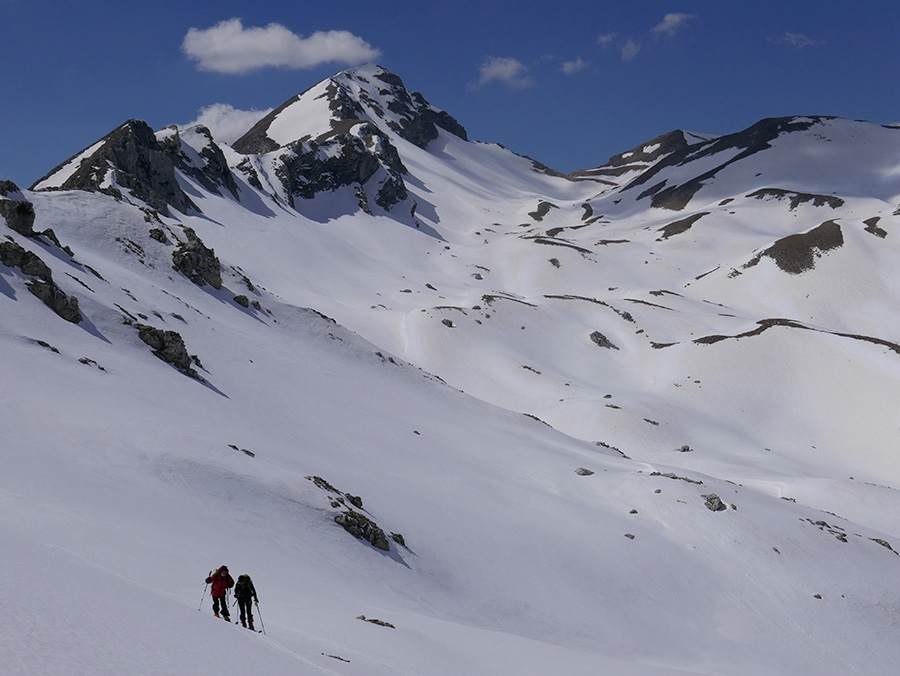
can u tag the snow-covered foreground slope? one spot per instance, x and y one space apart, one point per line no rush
121 489
600 436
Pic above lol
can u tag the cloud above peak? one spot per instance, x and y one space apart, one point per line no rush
230 47
509 71
798 40
630 50
227 123
672 23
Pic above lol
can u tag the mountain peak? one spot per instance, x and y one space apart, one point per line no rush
128 158
367 93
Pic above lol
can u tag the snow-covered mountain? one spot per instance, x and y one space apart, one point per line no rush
640 419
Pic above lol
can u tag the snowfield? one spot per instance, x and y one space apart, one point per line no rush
599 437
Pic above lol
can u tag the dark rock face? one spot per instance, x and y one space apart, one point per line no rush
752 140
14 256
168 346
345 160
365 104
7 187
419 121
197 262
56 299
138 164
19 215
213 173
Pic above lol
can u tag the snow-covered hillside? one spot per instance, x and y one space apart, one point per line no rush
637 420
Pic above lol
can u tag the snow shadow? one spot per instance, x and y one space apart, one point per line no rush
6 289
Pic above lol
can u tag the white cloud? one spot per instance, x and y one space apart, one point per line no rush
226 122
606 39
569 67
672 23
798 40
229 47
630 50
504 69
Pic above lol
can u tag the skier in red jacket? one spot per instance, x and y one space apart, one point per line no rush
221 582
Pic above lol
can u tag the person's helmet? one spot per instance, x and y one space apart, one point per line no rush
225 568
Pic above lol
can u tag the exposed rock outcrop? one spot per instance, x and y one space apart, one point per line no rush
19 215
168 346
367 105
754 139
602 341
41 285
15 256
362 527
361 155
128 158
714 503
56 299
194 152
197 262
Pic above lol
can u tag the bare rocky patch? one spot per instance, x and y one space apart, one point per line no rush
680 226
798 198
796 254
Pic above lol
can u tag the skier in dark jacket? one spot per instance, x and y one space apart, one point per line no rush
245 592
221 582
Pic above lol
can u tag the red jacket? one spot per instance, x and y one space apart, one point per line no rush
221 582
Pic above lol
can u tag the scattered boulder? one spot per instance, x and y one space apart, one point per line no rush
196 261
19 215
56 299
714 503
380 623
168 346
15 256
360 526
883 543
602 341
582 471
323 484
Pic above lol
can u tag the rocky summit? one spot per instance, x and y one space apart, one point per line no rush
637 419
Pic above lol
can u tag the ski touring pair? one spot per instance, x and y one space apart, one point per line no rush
244 595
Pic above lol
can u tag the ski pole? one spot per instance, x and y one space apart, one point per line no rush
261 623
203 597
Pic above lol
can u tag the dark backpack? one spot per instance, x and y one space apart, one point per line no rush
243 589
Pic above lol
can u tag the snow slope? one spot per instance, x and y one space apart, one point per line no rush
538 383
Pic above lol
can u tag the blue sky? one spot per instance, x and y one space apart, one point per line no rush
569 82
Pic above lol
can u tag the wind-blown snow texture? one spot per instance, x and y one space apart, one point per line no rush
537 383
